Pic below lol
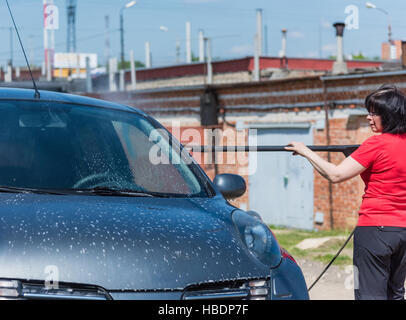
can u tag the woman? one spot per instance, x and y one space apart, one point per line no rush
380 236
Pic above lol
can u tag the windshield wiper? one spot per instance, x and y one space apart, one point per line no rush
106 191
9 189
101 191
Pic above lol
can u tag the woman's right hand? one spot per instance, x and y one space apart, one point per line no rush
297 148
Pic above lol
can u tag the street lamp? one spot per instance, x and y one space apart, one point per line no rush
128 5
370 5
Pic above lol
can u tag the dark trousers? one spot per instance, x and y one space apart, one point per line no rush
380 261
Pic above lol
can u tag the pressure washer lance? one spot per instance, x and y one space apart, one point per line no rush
346 149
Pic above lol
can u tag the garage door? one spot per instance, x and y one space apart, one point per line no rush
281 187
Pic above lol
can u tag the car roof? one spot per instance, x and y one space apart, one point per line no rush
28 94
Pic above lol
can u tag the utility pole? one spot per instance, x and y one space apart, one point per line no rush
201 46
128 5
122 38
148 62
51 23
46 61
112 74
209 64
107 48
259 30
71 41
89 85
11 46
256 58
133 72
188 43
52 49
177 51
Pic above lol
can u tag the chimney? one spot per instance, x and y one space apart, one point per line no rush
339 66
209 64
282 53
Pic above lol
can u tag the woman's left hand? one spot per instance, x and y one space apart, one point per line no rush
297 148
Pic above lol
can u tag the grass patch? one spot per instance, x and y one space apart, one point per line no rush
342 259
289 238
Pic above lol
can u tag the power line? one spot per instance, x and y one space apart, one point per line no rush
64 43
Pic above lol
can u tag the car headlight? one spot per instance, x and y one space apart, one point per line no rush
258 238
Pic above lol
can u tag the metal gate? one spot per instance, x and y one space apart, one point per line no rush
281 186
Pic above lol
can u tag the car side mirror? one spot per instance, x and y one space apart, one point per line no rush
230 185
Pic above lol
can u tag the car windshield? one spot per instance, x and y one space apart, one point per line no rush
48 145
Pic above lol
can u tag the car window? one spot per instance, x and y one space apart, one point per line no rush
60 146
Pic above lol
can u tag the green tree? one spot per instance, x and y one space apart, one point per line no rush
126 65
194 58
360 56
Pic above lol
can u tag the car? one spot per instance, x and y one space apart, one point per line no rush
99 201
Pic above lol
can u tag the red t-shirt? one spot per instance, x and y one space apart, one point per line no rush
384 201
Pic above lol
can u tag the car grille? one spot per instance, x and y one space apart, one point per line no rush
15 289
235 290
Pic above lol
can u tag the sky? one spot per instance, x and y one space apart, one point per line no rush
231 24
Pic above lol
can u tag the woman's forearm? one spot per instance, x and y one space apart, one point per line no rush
326 169
347 169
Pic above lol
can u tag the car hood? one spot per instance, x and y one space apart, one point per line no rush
121 243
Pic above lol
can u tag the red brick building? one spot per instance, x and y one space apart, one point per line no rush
238 70
391 51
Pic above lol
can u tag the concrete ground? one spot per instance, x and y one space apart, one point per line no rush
336 283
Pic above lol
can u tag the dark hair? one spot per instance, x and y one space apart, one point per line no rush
390 103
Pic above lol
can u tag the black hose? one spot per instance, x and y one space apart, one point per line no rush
331 262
